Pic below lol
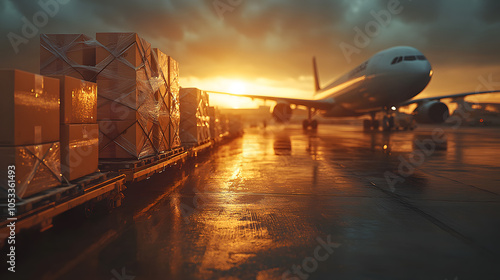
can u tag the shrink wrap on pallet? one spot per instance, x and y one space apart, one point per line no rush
37 168
125 139
215 126
68 54
127 107
128 90
166 76
29 109
79 150
194 125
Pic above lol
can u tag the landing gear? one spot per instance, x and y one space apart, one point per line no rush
305 124
388 123
313 124
310 122
371 124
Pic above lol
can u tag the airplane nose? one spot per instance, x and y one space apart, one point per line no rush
422 74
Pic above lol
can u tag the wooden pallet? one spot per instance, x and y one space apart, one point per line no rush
44 208
56 194
119 164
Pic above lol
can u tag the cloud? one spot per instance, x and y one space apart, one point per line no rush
274 39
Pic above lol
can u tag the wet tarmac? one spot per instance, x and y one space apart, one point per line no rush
284 204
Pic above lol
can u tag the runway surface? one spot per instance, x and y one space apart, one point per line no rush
281 203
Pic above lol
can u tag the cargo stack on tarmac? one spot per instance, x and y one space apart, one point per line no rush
195 122
29 142
215 126
79 129
126 103
111 112
165 72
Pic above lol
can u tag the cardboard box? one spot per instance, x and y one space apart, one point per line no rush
128 139
78 101
37 167
194 119
115 101
29 109
79 150
122 52
68 54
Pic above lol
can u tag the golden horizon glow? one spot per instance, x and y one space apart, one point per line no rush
302 87
258 86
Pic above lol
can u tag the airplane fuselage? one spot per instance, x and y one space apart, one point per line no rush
388 78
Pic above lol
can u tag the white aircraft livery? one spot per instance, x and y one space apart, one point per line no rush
383 83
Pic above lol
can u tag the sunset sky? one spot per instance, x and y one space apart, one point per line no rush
265 47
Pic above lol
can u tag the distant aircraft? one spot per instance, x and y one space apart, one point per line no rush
385 82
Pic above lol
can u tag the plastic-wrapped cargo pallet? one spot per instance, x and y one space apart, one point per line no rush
68 54
215 127
194 126
79 129
166 88
126 103
136 116
29 142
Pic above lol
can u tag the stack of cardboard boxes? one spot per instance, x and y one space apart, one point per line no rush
79 129
137 103
29 142
195 121
166 80
215 125
126 104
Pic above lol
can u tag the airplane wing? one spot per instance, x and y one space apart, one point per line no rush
317 104
458 95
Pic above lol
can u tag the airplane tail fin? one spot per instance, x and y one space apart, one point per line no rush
316 77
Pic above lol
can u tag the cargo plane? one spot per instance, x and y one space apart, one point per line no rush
383 83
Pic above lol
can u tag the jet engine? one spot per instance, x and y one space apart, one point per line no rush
431 112
282 112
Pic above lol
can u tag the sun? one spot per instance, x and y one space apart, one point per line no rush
237 87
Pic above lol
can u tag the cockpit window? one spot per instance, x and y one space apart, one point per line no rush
397 59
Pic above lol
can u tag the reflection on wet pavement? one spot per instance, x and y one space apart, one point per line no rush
408 205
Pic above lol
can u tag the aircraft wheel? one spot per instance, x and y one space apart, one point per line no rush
305 124
375 125
366 125
314 124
